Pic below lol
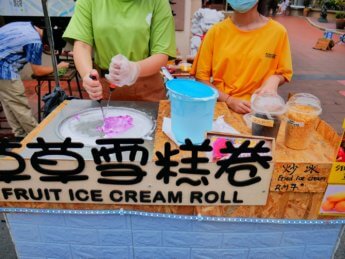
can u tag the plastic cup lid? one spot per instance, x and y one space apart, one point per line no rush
191 89
268 103
305 99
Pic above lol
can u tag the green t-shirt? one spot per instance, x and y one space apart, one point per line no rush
135 28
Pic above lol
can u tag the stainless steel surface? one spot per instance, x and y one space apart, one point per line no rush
100 104
49 133
111 92
86 126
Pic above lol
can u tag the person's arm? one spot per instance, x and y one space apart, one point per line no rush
271 84
82 55
162 46
33 55
283 72
39 70
235 104
80 33
151 65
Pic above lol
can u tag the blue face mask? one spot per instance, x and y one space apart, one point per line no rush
242 6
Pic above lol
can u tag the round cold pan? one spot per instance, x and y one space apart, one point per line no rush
84 125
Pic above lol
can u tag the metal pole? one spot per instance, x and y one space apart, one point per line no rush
49 31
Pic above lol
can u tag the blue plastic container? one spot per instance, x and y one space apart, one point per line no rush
192 109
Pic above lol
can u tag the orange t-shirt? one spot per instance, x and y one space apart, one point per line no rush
240 61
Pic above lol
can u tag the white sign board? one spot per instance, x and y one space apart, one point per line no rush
149 191
223 170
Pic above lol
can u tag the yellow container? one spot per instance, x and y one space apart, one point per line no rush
302 113
185 67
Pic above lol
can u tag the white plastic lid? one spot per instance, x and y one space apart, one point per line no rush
305 99
270 103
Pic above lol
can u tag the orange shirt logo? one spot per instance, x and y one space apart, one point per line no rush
270 55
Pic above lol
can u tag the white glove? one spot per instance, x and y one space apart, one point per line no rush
122 71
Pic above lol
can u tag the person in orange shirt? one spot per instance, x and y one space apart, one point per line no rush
245 54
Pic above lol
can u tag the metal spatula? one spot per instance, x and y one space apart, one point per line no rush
111 89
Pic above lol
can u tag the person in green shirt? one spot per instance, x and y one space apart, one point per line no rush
131 41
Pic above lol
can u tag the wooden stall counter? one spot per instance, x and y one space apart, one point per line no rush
298 183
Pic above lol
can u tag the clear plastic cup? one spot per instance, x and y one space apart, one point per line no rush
267 112
185 67
303 110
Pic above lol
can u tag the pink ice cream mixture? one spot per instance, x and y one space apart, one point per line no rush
114 125
77 117
218 144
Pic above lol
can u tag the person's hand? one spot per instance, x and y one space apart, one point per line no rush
238 105
122 71
93 86
270 85
63 65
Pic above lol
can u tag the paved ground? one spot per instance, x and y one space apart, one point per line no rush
325 26
340 251
6 246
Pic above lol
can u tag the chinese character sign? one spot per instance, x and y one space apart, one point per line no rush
237 173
